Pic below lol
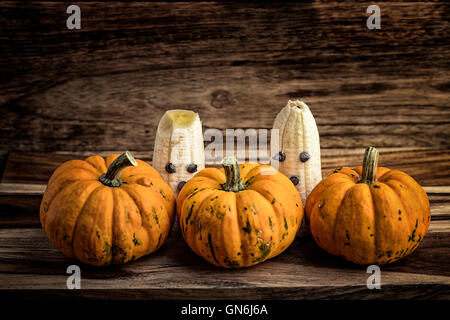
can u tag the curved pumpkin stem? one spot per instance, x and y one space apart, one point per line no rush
369 167
233 174
112 177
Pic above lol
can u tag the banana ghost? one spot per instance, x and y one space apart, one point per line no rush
299 153
179 151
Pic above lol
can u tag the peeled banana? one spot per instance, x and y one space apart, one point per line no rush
298 140
179 152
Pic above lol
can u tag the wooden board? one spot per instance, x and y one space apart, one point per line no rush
105 86
304 271
429 166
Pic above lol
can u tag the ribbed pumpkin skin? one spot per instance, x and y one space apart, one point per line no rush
239 229
101 225
374 224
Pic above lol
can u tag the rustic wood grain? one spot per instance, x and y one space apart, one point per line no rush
394 293
430 167
105 86
28 261
22 189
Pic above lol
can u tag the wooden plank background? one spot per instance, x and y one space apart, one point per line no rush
71 93
104 87
303 271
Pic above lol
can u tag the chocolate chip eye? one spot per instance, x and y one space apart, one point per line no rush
191 168
280 156
295 180
181 185
170 168
304 156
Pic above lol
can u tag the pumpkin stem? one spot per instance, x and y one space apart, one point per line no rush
369 167
112 177
233 174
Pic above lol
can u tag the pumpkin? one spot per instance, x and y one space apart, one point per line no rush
237 222
368 215
106 216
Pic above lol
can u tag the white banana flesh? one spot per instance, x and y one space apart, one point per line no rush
298 139
179 151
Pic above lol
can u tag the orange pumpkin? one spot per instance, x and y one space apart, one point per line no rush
368 215
103 216
236 223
